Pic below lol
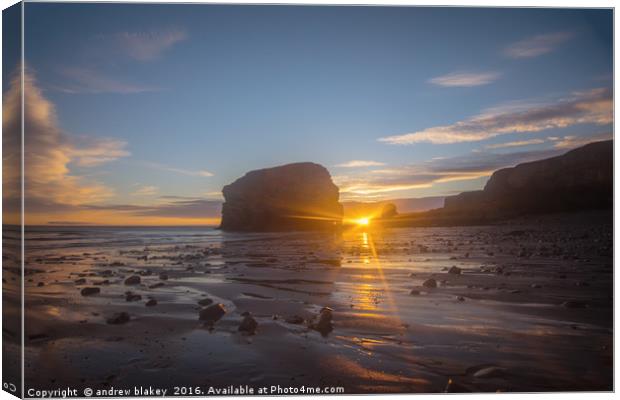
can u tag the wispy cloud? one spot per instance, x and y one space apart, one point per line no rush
173 208
571 142
518 143
379 183
591 107
91 152
465 79
188 172
89 81
145 191
536 45
145 45
360 164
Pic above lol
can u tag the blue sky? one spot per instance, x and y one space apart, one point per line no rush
155 101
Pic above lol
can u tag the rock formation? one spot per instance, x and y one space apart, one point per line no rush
581 179
297 196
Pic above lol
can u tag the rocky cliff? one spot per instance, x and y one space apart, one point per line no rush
298 196
581 179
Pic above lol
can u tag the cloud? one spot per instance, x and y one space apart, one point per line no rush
536 45
145 45
591 107
89 81
518 143
91 152
424 175
188 172
571 142
48 152
177 207
465 79
143 191
360 163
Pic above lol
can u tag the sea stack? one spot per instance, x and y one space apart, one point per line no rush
290 197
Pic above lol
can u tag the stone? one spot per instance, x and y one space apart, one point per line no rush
454 270
290 197
212 313
89 291
205 302
151 303
324 324
430 283
133 280
130 296
117 319
163 276
248 325
80 281
414 292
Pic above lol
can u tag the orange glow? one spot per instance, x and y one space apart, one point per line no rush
362 221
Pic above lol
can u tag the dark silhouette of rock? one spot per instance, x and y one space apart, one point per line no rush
248 325
430 283
324 325
212 313
130 296
151 303
133 280
89 291
581 179
297 196
205 302
454 270
118 319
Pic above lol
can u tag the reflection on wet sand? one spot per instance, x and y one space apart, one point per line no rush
519 315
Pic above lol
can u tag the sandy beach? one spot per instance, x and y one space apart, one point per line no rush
527 308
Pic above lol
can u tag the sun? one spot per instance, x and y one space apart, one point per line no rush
362 221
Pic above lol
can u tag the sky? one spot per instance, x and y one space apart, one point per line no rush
141 113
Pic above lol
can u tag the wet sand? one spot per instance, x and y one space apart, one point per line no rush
531 309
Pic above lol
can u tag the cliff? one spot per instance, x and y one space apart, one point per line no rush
581 179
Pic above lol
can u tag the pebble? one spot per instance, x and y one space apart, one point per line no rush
212 313
430 283
205 302
151 303
89 291
455 270
129 296
133 280
118 319
248 325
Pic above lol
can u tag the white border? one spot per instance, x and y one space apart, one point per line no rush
470 3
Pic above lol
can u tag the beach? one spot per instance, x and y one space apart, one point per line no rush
524 305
